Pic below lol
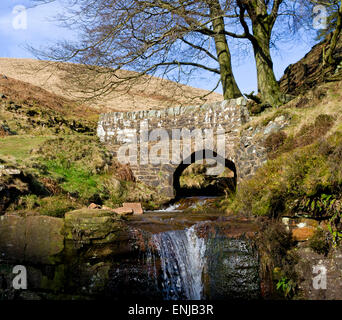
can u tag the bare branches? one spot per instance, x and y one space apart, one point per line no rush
151 37
172 39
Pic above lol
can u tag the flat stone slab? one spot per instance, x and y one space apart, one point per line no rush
123 211
135 206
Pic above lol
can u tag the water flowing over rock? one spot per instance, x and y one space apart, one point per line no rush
96 254
182 255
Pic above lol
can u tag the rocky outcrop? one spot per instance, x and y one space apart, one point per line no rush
57 253
92 226
308 72
37 239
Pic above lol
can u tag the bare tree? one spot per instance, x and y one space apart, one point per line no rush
335 26
173 38
165 38
263 23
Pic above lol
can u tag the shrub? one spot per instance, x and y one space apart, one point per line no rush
273 142
309 133
279 143
303 103
319 242
277 259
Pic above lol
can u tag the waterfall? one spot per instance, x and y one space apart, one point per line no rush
182 255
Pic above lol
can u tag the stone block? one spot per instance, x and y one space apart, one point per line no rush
134 206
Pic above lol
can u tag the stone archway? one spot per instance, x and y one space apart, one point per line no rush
221 163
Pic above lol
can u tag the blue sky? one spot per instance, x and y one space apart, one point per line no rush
42 30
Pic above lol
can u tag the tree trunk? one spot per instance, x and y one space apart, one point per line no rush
328 59
268 86
230 88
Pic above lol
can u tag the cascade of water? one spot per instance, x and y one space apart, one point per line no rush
182 255
171 208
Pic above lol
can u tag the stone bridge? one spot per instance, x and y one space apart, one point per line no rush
159 144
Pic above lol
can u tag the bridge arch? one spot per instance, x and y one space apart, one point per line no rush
199 155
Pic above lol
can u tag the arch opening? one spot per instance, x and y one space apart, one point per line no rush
215 176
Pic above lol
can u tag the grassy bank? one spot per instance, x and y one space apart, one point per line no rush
303 175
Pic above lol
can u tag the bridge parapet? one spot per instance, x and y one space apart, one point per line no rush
228 114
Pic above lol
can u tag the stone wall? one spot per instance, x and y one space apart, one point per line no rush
130 130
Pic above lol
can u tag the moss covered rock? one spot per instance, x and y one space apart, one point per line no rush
93 226
32 238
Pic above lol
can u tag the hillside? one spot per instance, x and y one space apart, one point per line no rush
52 140
147 93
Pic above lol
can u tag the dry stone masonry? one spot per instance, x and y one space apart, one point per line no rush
156 142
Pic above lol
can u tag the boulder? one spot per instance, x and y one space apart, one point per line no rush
32 238
92 225
272 127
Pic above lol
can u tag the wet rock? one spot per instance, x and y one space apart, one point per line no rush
30 296
319 277
233 270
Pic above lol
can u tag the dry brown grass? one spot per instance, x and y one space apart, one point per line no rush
25 93
155 93
330 104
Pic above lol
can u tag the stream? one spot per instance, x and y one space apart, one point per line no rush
194 255
185 251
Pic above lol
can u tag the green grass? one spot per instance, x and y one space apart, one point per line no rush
74 179
19 147
53 206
